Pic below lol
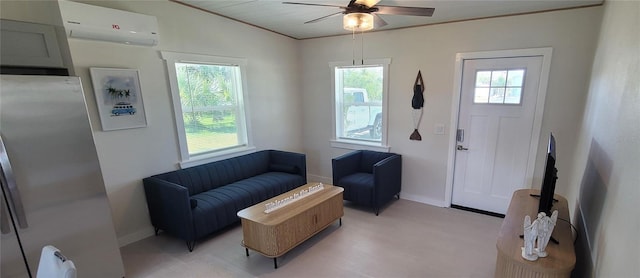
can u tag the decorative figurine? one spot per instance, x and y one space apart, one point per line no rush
530 235
537 232
545 228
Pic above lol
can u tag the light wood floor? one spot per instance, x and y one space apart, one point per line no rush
407 239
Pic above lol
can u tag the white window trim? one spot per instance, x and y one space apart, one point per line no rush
186 160
358 145
343 143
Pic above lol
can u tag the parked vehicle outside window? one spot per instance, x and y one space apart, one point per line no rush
359 102
364 117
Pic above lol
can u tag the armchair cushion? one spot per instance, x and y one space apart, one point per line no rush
368 159
358 187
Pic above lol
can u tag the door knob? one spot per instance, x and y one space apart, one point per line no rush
461 148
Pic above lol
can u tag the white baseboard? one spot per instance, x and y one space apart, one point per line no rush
136 236
410 197
422 199
322 179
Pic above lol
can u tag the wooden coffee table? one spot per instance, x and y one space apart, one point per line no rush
274 234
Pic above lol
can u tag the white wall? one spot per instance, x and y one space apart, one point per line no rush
42 12
432 50
127 156
282 118
605 182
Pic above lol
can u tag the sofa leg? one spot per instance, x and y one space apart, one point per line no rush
156 230
398 196
191 245
377 211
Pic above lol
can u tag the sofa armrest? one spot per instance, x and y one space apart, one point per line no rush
169 207
297 160
388 177
344 165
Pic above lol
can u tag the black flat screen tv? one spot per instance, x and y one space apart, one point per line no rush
549 179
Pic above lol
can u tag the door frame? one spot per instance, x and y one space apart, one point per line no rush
545 53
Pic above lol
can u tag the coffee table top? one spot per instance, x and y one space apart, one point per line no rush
256 212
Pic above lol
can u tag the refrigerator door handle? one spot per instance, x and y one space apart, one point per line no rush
4 226
10 187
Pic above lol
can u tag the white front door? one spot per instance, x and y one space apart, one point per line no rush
495 126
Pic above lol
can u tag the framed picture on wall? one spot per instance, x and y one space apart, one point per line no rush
118 98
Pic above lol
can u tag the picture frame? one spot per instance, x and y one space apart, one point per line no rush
118 97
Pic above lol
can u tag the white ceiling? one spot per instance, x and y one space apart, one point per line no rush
289 19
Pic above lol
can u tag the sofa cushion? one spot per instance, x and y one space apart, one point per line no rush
212 175
291 169
218 207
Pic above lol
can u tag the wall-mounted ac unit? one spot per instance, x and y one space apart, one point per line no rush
90 22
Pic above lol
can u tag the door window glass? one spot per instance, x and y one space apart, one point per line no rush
499 86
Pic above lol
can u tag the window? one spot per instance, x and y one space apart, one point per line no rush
209 106
360 94
499 86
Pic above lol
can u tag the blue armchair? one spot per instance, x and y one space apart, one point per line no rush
369 178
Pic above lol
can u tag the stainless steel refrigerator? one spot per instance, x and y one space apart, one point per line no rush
52 187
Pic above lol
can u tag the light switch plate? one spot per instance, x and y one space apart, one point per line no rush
438 129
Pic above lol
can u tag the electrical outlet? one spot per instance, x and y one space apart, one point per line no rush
439 129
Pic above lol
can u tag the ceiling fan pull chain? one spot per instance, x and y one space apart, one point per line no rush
353 47
362 46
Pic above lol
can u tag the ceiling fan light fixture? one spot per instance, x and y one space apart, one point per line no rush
357 21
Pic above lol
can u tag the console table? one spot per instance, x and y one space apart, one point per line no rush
561 258
275 233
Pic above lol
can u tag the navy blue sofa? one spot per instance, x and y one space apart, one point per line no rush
369 178
194 202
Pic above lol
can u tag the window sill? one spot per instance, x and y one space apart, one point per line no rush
216 156
358 145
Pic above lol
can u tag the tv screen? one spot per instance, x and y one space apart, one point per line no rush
549 179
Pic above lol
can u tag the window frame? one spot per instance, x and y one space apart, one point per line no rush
244 136
355 144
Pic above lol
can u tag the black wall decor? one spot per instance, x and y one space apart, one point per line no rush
417 102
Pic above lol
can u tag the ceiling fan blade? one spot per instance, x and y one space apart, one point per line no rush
378 21
310 4
368 3
405 10
323 18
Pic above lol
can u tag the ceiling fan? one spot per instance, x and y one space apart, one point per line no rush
360 15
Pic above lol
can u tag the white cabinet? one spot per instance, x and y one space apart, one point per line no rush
29 45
